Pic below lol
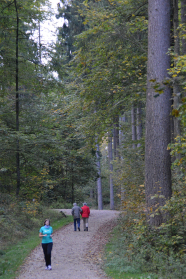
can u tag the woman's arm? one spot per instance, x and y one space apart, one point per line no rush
41 235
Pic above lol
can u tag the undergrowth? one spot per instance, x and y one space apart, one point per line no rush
17 217
137 251
119 261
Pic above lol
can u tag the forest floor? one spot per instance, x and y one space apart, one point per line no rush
75 254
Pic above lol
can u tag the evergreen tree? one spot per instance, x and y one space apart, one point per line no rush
157 157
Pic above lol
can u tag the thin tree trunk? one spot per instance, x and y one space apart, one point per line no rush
116 137
133 123
91 193
176 89
139 124
65 182
111 173
72 184
183 21
39 42
99 186
17 101
122 137
157 157
96 191
121 134
175 25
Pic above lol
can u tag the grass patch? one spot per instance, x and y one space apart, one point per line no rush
117 262
115 274
13 257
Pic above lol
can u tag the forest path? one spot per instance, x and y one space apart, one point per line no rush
75 255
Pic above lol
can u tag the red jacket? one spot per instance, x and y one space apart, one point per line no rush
86 211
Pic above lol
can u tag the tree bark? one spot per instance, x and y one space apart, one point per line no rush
116 137
111 172
122 137
121 134
157 157
133 123
183 21
99 186
72 183
91 193
17 100
176 89
139 124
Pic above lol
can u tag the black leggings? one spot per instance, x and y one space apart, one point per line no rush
47 249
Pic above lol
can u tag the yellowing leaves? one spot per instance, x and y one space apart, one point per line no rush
175 112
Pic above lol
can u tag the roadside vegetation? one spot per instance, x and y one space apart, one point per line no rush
136 251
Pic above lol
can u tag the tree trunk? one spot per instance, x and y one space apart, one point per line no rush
176 89
157 157
139 124
99 186
39 42
121 139
183 21
96 191
133 123
175 26
111 172
17 101
91 193
116 137
72 184
121 134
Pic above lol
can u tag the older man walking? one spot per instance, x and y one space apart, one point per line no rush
76 210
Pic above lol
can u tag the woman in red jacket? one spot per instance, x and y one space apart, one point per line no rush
85 215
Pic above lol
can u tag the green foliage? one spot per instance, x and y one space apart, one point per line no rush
178 147
109 61
49 149
160 251
137 249
19 216
119 262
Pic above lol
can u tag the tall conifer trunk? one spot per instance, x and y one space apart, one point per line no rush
99 186
111 172
183 21
72 182
133 123
121 133
17 100
139 124
116 136
176 88
157 157
122 137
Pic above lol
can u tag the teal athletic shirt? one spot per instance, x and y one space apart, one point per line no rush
48 231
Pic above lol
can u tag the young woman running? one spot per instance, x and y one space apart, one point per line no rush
47 242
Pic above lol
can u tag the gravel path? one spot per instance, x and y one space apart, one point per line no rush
75 255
